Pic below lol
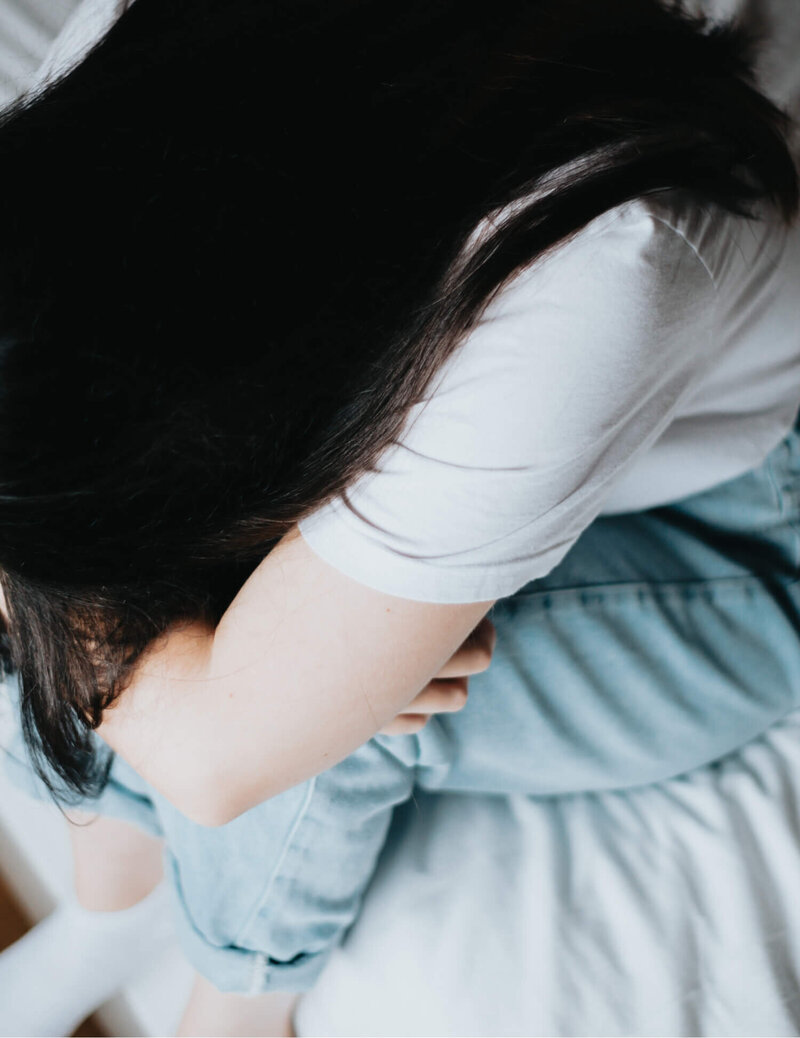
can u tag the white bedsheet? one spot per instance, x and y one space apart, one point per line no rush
670 910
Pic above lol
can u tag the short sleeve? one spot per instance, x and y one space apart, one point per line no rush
574 370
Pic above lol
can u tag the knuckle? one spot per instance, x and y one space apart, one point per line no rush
459 696
482 658
405 724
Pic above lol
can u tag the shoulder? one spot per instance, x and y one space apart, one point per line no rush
655 253
604 316
655 243
575 367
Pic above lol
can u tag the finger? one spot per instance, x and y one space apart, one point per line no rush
440 696
405 724
475 655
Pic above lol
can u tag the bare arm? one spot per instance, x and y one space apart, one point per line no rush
305 666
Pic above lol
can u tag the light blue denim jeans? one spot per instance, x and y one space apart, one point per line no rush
665 640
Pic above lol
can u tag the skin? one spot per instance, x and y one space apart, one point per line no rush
215 1013
304 667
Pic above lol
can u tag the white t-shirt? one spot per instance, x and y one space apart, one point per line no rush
653 356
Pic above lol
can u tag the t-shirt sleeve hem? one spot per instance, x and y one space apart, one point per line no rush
369 563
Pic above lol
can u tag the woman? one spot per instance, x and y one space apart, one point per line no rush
271 492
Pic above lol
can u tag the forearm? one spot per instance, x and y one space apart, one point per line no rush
219 721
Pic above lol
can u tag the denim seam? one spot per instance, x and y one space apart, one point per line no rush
779 490
589 595
180 895
266 890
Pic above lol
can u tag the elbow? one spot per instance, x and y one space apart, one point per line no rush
217 804
209 790
206 812
205 800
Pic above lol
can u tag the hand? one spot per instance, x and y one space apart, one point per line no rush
447 692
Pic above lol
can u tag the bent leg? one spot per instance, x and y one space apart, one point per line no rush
664 640
93 943
265 899
115 864
260 903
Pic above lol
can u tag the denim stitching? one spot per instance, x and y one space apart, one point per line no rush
262 897
784 496
589 596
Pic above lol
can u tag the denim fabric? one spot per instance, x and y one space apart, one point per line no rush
664 641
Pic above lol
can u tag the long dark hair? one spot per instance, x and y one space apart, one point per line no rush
234 254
